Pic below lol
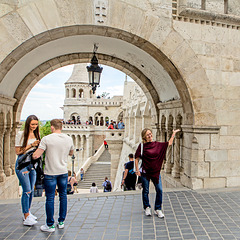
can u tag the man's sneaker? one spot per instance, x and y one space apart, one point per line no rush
148 211
46 228
34 217
61 225
159 213
29 221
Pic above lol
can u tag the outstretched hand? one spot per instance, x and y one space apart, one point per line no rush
175 131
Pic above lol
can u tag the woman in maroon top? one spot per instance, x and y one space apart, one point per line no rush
153 154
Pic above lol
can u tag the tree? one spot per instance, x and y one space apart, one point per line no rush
45 129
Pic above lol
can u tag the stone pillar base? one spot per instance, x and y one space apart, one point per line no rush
175 173
8 171
2 176
168 167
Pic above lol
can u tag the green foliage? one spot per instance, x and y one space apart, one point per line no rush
45 129
22 126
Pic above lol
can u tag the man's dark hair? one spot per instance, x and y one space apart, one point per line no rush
130 155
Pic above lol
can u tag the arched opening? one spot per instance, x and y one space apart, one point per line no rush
73 95
154 73
81 93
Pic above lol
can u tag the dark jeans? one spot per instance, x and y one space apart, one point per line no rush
50 182
27 178
145 193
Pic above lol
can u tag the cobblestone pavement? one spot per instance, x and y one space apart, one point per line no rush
188 215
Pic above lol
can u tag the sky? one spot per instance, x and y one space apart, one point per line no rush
47 96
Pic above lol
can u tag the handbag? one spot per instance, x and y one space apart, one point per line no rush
25 159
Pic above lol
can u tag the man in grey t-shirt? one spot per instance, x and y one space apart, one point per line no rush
57 147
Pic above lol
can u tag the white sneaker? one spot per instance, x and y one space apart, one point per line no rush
29 221
148 211
159 213
34 217
46 228
61 225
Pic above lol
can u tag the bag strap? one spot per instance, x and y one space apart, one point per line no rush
141 149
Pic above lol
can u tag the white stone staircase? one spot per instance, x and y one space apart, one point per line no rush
97 172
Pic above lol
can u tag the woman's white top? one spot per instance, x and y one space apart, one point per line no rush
19 140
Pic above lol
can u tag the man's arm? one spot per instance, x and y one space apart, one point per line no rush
124 176
38 153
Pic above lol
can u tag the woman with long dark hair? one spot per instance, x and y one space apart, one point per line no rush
27 140
152 154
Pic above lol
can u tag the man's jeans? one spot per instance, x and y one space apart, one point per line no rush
27 178
50 182
145 193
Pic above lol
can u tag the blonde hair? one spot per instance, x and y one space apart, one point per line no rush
143 134
56 123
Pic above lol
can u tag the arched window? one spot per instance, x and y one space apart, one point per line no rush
81 95
98 119
73 93
91 93
67 93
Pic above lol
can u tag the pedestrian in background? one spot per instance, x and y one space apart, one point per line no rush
93 188
107 185
129 177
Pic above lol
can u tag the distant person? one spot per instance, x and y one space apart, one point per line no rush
57 147
107 185
111 126
105 144
27 140
129 177
81 174
93 188
121 125
71 181
153 154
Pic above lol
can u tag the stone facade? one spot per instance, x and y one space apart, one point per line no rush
186 50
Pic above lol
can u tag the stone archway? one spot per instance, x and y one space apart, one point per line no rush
145 45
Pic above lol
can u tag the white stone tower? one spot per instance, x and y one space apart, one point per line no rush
77 90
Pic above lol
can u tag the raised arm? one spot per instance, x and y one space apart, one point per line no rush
170 142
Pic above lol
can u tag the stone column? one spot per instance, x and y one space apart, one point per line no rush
137 129
115 143
168 165
176 167
7 169
2 175
131 127
126 126
89 145
12 150
82 151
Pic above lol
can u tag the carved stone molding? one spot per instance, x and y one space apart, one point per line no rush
181 12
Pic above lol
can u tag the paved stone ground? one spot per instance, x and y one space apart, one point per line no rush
106 216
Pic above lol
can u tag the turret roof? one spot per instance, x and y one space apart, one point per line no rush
79 74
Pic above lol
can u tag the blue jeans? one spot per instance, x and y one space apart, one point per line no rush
50 183
81 176
145 193
27 178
